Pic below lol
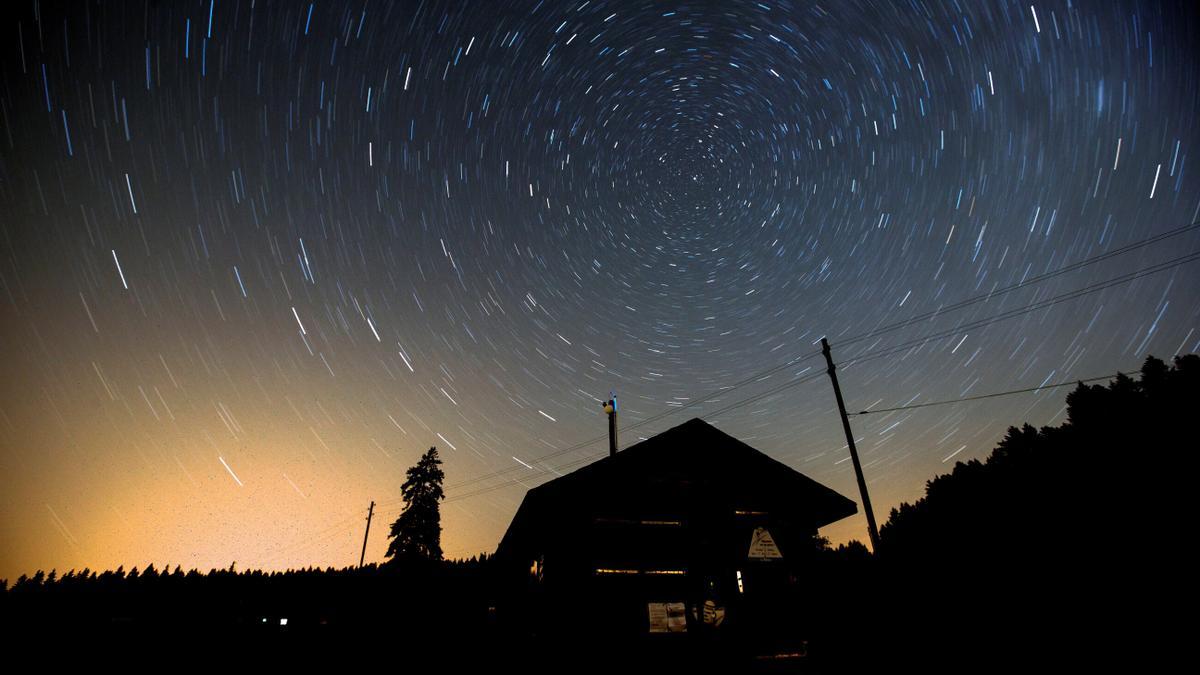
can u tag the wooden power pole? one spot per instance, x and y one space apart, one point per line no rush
862 483
371 512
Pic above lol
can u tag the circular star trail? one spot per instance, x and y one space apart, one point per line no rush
258 256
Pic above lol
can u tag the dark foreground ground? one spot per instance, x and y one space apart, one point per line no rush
856 616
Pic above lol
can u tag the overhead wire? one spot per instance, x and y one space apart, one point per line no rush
980 397
1133 246
870 356
340 527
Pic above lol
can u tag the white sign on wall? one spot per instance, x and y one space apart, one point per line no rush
762 546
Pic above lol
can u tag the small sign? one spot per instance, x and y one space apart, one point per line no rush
667 617
762 546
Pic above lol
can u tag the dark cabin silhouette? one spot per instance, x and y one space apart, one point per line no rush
644 541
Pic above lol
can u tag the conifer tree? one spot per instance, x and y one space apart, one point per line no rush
417 532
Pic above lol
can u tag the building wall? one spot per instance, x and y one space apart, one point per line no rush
600 575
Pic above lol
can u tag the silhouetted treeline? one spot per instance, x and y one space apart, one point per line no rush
1063 490
1065 543
411 598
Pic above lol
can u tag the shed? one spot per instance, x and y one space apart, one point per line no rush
690 531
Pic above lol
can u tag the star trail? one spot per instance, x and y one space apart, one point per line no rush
257 257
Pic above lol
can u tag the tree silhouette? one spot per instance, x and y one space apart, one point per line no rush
417 532
1093 471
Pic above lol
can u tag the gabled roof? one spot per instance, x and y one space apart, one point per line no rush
694 457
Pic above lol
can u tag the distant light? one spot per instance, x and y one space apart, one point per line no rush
283 622
741 589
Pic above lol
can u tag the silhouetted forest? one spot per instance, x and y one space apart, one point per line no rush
1067 542
410 596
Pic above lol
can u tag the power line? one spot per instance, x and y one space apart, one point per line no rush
983 396
333 529
593 457
325 534
654 418
847 341
869 356
1021 284
1043 304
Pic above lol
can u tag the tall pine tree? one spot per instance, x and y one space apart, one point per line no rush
417 533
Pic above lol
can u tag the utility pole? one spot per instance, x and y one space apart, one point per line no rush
371 512
862 483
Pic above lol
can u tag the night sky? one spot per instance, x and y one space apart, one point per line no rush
257 257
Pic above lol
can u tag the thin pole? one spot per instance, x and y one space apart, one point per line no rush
610 407
612 432
858 472
370 512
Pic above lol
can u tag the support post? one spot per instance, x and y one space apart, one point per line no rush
858 472
370 512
